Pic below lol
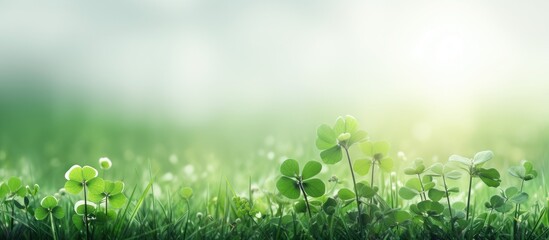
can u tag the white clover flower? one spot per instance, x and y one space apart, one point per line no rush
105 163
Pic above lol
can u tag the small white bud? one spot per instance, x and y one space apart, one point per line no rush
343 137
105 163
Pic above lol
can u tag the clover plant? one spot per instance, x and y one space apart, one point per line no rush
428 212
524 172
333 141
473 166
293 183
85 212
10 190
84 179
416 186
376 154
111 196
49 208
440 170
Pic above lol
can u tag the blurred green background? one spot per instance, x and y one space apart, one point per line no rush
203 90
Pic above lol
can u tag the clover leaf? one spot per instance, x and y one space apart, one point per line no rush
414 187
376 153
288 184
473 166
79 177
49 207
85 179
112 194
12 188
427 208
331 140
490 177
291 184
525 171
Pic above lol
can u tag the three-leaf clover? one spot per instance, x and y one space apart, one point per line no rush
83 178
440 170
293 183
473 166
416 186
376 154
427 208
363 191
48 207
13 188
112 194
499 203
79 178
525 171
331 140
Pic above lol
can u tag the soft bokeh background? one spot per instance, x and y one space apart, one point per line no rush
204 90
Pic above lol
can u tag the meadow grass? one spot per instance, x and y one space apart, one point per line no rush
195 194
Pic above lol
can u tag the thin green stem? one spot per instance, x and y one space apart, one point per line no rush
354 185
372 184
373 168
422 188
12 215
391 193
300 183
469 196
448 200
86 212
52 227
447 196
517 211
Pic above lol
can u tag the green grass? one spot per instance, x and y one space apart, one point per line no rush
204 183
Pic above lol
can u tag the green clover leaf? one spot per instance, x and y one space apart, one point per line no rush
331 140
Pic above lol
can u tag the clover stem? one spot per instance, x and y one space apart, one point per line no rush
447 196
52 227
106 204
488 218
373 168
469 195
27 214
448 200
12 215
392 192
354 185
422 188
371 183
86 212
517 210
300 183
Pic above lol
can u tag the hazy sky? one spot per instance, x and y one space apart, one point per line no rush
197 57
